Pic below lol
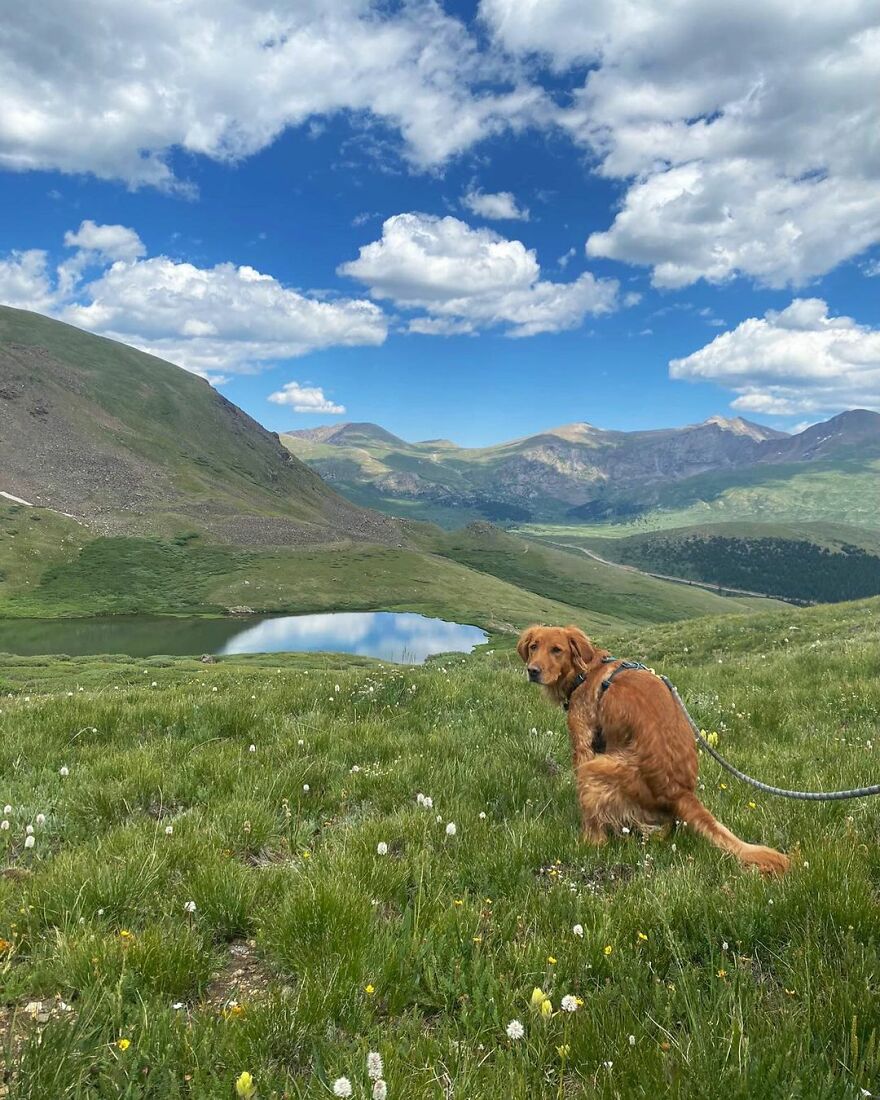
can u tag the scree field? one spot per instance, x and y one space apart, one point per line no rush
231 873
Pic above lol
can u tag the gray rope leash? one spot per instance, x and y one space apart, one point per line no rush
807 796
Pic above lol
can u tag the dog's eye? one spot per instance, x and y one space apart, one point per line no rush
534 645
556 649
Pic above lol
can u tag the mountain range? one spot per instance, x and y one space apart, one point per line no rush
578 473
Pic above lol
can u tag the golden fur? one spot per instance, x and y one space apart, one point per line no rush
647 774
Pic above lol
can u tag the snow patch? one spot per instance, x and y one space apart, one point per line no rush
17 500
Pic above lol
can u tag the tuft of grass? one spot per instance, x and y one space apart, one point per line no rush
306 947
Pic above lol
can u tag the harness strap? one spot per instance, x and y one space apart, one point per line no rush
622 667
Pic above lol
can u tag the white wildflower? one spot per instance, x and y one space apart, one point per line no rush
29 829
482 815
428 803
355 768
382 850
40 819
252 748
569 1003
632 1040
375 1069
380 1090
64 771
169 830
306 788
4 824
342 1087
420 799
578 930
29 841
7 809
189 907
515 1030
451 829
154 684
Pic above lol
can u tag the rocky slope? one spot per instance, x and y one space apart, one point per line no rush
127 442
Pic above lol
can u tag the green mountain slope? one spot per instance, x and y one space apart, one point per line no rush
128 442
817 563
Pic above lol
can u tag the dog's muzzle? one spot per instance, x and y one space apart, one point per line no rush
534 675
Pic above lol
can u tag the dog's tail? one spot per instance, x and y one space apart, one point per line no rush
694 814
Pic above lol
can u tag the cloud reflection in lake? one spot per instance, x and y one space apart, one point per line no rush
403 637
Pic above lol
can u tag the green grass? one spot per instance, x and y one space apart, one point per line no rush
51 567
607 592
741 988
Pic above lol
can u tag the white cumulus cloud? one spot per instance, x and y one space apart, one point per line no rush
305 399
464 279
225 318
797 360
747 133
495 206
112 88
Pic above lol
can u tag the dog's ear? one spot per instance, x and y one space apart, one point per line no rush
581 647
525 640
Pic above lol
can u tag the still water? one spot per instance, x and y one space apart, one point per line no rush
391 636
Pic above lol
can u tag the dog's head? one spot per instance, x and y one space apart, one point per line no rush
552 653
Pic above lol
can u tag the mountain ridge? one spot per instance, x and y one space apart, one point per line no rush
583 473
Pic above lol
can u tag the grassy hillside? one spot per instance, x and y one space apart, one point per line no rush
818 564
808 562
306 948
95 428
572 578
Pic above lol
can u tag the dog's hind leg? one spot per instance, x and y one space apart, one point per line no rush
694 814
602 787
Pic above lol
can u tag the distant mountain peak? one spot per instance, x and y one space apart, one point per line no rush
578 429
349 433
738 426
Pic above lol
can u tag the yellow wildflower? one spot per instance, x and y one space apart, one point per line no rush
546 1008
538 997
369 989
233 1011
5 945
244 1086
722 973
123 1044
551 960
642 936
563 1051
712 738
608 949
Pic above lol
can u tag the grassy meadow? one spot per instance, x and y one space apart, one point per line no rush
231 872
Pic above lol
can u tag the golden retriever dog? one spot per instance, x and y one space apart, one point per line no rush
633 752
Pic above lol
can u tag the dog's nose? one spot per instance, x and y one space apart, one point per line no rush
534 674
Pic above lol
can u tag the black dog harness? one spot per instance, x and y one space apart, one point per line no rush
624 666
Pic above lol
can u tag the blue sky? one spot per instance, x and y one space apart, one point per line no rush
458 221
